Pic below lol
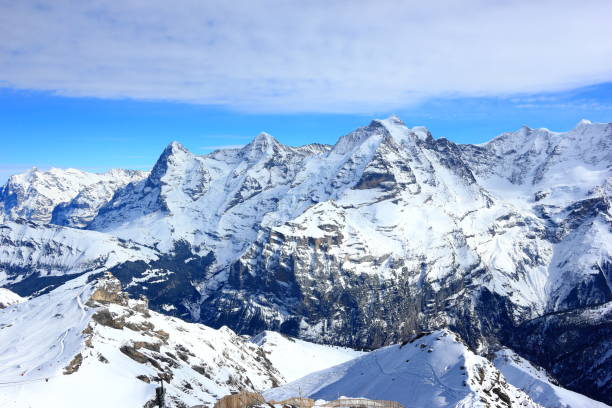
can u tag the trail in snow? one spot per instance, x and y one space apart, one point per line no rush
80 303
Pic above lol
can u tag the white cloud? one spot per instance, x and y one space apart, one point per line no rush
219 147
313 56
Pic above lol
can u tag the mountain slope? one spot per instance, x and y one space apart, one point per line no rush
295 358
433 371
538 384
573 346
86 342
34 257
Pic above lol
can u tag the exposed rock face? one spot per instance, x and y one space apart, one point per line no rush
108 290
74 365
574 346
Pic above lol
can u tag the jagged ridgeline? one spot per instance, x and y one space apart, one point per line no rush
386 233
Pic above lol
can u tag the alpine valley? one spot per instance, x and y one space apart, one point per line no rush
488 267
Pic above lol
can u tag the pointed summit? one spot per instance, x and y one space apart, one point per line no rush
401 133
395 120
173 153
584 123
389 122
174 147
264 139
262 143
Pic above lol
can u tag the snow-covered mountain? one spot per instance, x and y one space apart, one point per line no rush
87 343
37 257
362 244
435 371
295 358
66 197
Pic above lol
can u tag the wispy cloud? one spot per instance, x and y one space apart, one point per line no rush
219 147
228 137
130 156
569 105
316 56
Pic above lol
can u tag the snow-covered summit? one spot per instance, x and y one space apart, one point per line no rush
401 132
436 370
35 194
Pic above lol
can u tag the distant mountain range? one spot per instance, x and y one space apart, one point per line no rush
365 243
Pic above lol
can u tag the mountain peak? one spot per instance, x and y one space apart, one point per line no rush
172 154
395 119
585 124
174 147
263 142
400 132
389 122
264 138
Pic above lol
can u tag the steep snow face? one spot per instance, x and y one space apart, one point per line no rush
433 371
35 195
215 202
407 220
295 358
8 298
580 271
46 253
537 165
536 382
95 345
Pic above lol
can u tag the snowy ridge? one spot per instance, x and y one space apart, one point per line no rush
433 371
96 346
8 298
295 358
35 195
28 249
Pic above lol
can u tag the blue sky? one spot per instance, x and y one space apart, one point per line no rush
101 84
